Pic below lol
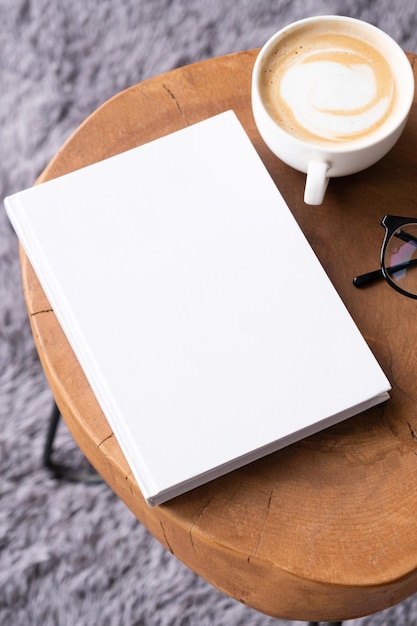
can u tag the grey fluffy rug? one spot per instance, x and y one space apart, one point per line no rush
72 554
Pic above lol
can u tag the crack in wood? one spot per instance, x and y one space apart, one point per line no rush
261 532
412 432
174 98
41 311
166 538
105 439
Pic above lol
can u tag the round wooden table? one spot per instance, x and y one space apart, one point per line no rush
325 529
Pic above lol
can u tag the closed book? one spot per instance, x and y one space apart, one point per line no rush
206 326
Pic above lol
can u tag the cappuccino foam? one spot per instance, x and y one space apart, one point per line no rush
328 87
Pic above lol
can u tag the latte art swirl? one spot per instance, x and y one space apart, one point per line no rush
329 88
333 100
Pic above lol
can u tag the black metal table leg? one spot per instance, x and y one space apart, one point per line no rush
89 476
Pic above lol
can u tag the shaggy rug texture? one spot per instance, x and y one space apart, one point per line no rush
72 554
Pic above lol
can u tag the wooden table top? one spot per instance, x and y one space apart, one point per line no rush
325 529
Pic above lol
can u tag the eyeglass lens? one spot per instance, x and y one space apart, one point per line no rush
400 258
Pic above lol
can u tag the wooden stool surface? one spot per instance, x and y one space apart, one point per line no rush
325 529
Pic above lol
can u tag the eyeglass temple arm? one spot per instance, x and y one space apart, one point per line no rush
367 279
408 237
370 277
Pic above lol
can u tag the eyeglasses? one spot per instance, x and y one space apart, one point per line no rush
398 257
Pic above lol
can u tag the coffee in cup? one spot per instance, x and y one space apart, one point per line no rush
330 97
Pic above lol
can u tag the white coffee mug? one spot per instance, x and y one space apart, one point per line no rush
330 97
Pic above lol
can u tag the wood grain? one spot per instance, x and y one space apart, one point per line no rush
327 528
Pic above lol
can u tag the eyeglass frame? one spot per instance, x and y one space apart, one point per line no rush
391 223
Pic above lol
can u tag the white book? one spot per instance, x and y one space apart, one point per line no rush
205 324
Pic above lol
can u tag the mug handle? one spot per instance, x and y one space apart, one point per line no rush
317 181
